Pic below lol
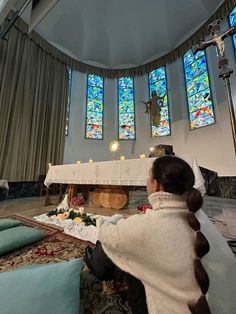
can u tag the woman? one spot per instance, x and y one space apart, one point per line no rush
164 247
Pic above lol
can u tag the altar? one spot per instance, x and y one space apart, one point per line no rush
116 173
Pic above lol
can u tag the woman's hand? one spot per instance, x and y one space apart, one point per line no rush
113 219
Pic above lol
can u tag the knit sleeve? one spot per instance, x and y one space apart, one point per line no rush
121 241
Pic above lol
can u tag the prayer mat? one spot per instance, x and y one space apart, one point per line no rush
96 297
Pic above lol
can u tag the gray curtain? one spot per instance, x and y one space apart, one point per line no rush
33 100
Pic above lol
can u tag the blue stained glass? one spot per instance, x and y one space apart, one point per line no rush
126 108
232 22
94 112
157 82
162 130
232 17
189 57
127 132
95 80
195 68
197 84
198 90
94 131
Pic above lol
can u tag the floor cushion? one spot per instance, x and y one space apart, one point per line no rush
47 289
6 223
18 237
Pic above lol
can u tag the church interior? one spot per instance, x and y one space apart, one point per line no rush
94 97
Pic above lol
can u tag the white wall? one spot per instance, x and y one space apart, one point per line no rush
212 145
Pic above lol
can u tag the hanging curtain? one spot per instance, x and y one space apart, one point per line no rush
177 52
33 100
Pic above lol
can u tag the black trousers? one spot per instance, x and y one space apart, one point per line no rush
104 269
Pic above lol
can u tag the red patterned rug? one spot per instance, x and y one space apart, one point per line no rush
96 296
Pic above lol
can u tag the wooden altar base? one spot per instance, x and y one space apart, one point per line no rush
115 197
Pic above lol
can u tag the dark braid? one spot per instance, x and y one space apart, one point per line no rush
177 177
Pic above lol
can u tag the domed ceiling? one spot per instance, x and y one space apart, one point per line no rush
122 33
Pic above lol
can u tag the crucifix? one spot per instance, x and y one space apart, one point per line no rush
216 38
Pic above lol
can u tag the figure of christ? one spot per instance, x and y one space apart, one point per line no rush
153 107
217 38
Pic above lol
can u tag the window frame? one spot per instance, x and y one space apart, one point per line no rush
186 93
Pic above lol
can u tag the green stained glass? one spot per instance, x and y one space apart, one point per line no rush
198 90
157 82
126 108
94 112
232 22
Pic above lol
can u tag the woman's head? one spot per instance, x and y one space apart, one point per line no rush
170 174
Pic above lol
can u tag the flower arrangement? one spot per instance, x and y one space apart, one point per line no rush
78 216
76 201
143 207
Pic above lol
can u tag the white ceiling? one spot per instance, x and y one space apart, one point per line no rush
122 33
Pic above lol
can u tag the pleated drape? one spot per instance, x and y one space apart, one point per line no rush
177 52
33 100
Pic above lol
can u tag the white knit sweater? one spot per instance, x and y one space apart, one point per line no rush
158 249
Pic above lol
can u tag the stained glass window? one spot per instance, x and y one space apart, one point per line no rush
126 108
68 102
198 89
157 82
232 22
94 113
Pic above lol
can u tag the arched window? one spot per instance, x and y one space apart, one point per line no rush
126 108
232 22
200 104
157 82
94 112
69 69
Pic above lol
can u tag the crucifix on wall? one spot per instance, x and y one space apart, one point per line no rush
216 38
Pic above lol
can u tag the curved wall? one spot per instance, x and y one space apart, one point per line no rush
212 145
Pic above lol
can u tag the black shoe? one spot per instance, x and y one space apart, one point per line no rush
88 258
88 252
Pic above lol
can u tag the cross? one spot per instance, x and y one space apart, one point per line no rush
216 38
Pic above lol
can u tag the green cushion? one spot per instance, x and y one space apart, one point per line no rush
47 289
8 223
18 237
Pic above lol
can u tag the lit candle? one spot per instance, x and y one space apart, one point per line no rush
81 210
90 161
78 162
142 156
122 157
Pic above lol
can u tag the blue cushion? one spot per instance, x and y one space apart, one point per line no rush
47 289
18 237
6 223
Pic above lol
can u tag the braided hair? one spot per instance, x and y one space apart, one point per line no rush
177 177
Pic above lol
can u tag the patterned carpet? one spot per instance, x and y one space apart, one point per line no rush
96 296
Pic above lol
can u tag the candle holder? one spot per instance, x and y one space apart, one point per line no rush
114 147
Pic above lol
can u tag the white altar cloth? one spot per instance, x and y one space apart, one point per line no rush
131 172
